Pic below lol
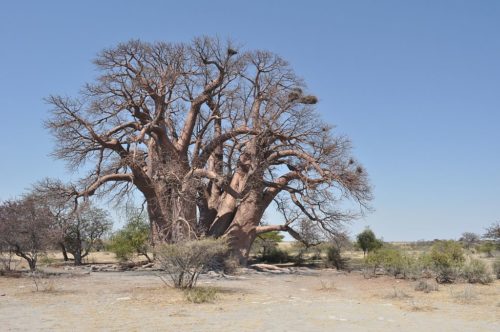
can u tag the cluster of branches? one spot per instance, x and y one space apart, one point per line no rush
211 136
43 219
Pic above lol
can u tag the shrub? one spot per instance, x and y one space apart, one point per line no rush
266 242
393 261
487 248
132 239
333 257
476 271
184 261
467 295
496 267
276 255
201 295
446 258
426 287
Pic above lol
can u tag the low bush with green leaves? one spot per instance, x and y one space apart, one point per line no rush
476 271
394 262
266 242
133 239
334 258
185 261
276 255
446 259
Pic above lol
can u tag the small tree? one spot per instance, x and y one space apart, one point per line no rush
26 228
493 233
132 239
86 227
469 239
367 241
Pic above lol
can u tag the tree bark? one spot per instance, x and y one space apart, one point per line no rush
64 252
243 229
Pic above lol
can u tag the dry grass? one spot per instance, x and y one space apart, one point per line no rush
397 293
327 285
467 295
201 294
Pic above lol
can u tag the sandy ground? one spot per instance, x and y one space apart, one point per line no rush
315 301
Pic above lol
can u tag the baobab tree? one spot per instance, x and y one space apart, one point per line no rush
211 136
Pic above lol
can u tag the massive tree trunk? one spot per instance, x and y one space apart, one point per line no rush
242 231
172 217
64 252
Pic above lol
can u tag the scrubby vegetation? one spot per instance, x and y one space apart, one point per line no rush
476 271
201 294
334 258
446 258
185 261
133 239
266 248
426 287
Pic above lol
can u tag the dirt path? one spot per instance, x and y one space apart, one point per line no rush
325 301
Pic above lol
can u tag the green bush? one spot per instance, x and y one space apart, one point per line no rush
184 261
367 241
476 271
266 242
275 255
393 261
496 267
132 239
334 258
446 260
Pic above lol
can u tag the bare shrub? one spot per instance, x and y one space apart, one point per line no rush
426 287
398 294
42 282
184 261
7 261
326 285
231 265
465 296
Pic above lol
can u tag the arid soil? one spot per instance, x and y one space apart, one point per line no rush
309 300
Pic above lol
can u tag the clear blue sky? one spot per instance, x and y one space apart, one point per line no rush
415 84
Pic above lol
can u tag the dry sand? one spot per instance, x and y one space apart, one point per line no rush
315 301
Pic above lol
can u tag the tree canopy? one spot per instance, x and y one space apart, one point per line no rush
210 135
